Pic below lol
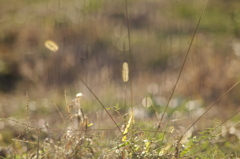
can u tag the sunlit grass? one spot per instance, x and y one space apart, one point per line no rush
87 52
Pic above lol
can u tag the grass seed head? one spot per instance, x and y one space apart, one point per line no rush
125 72
51 45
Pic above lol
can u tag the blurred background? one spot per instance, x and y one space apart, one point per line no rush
92 36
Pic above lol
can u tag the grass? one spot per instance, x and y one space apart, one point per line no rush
177 99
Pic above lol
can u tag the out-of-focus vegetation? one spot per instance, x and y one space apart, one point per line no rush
37 85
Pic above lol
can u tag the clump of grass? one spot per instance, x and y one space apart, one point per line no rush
80 139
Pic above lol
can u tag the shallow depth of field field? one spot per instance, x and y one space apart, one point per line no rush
62 94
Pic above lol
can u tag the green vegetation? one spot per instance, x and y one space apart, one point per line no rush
51 50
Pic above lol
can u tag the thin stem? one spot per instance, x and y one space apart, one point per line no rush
130 53
38 147
181 70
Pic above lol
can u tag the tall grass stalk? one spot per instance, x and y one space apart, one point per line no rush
130 52
182 67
